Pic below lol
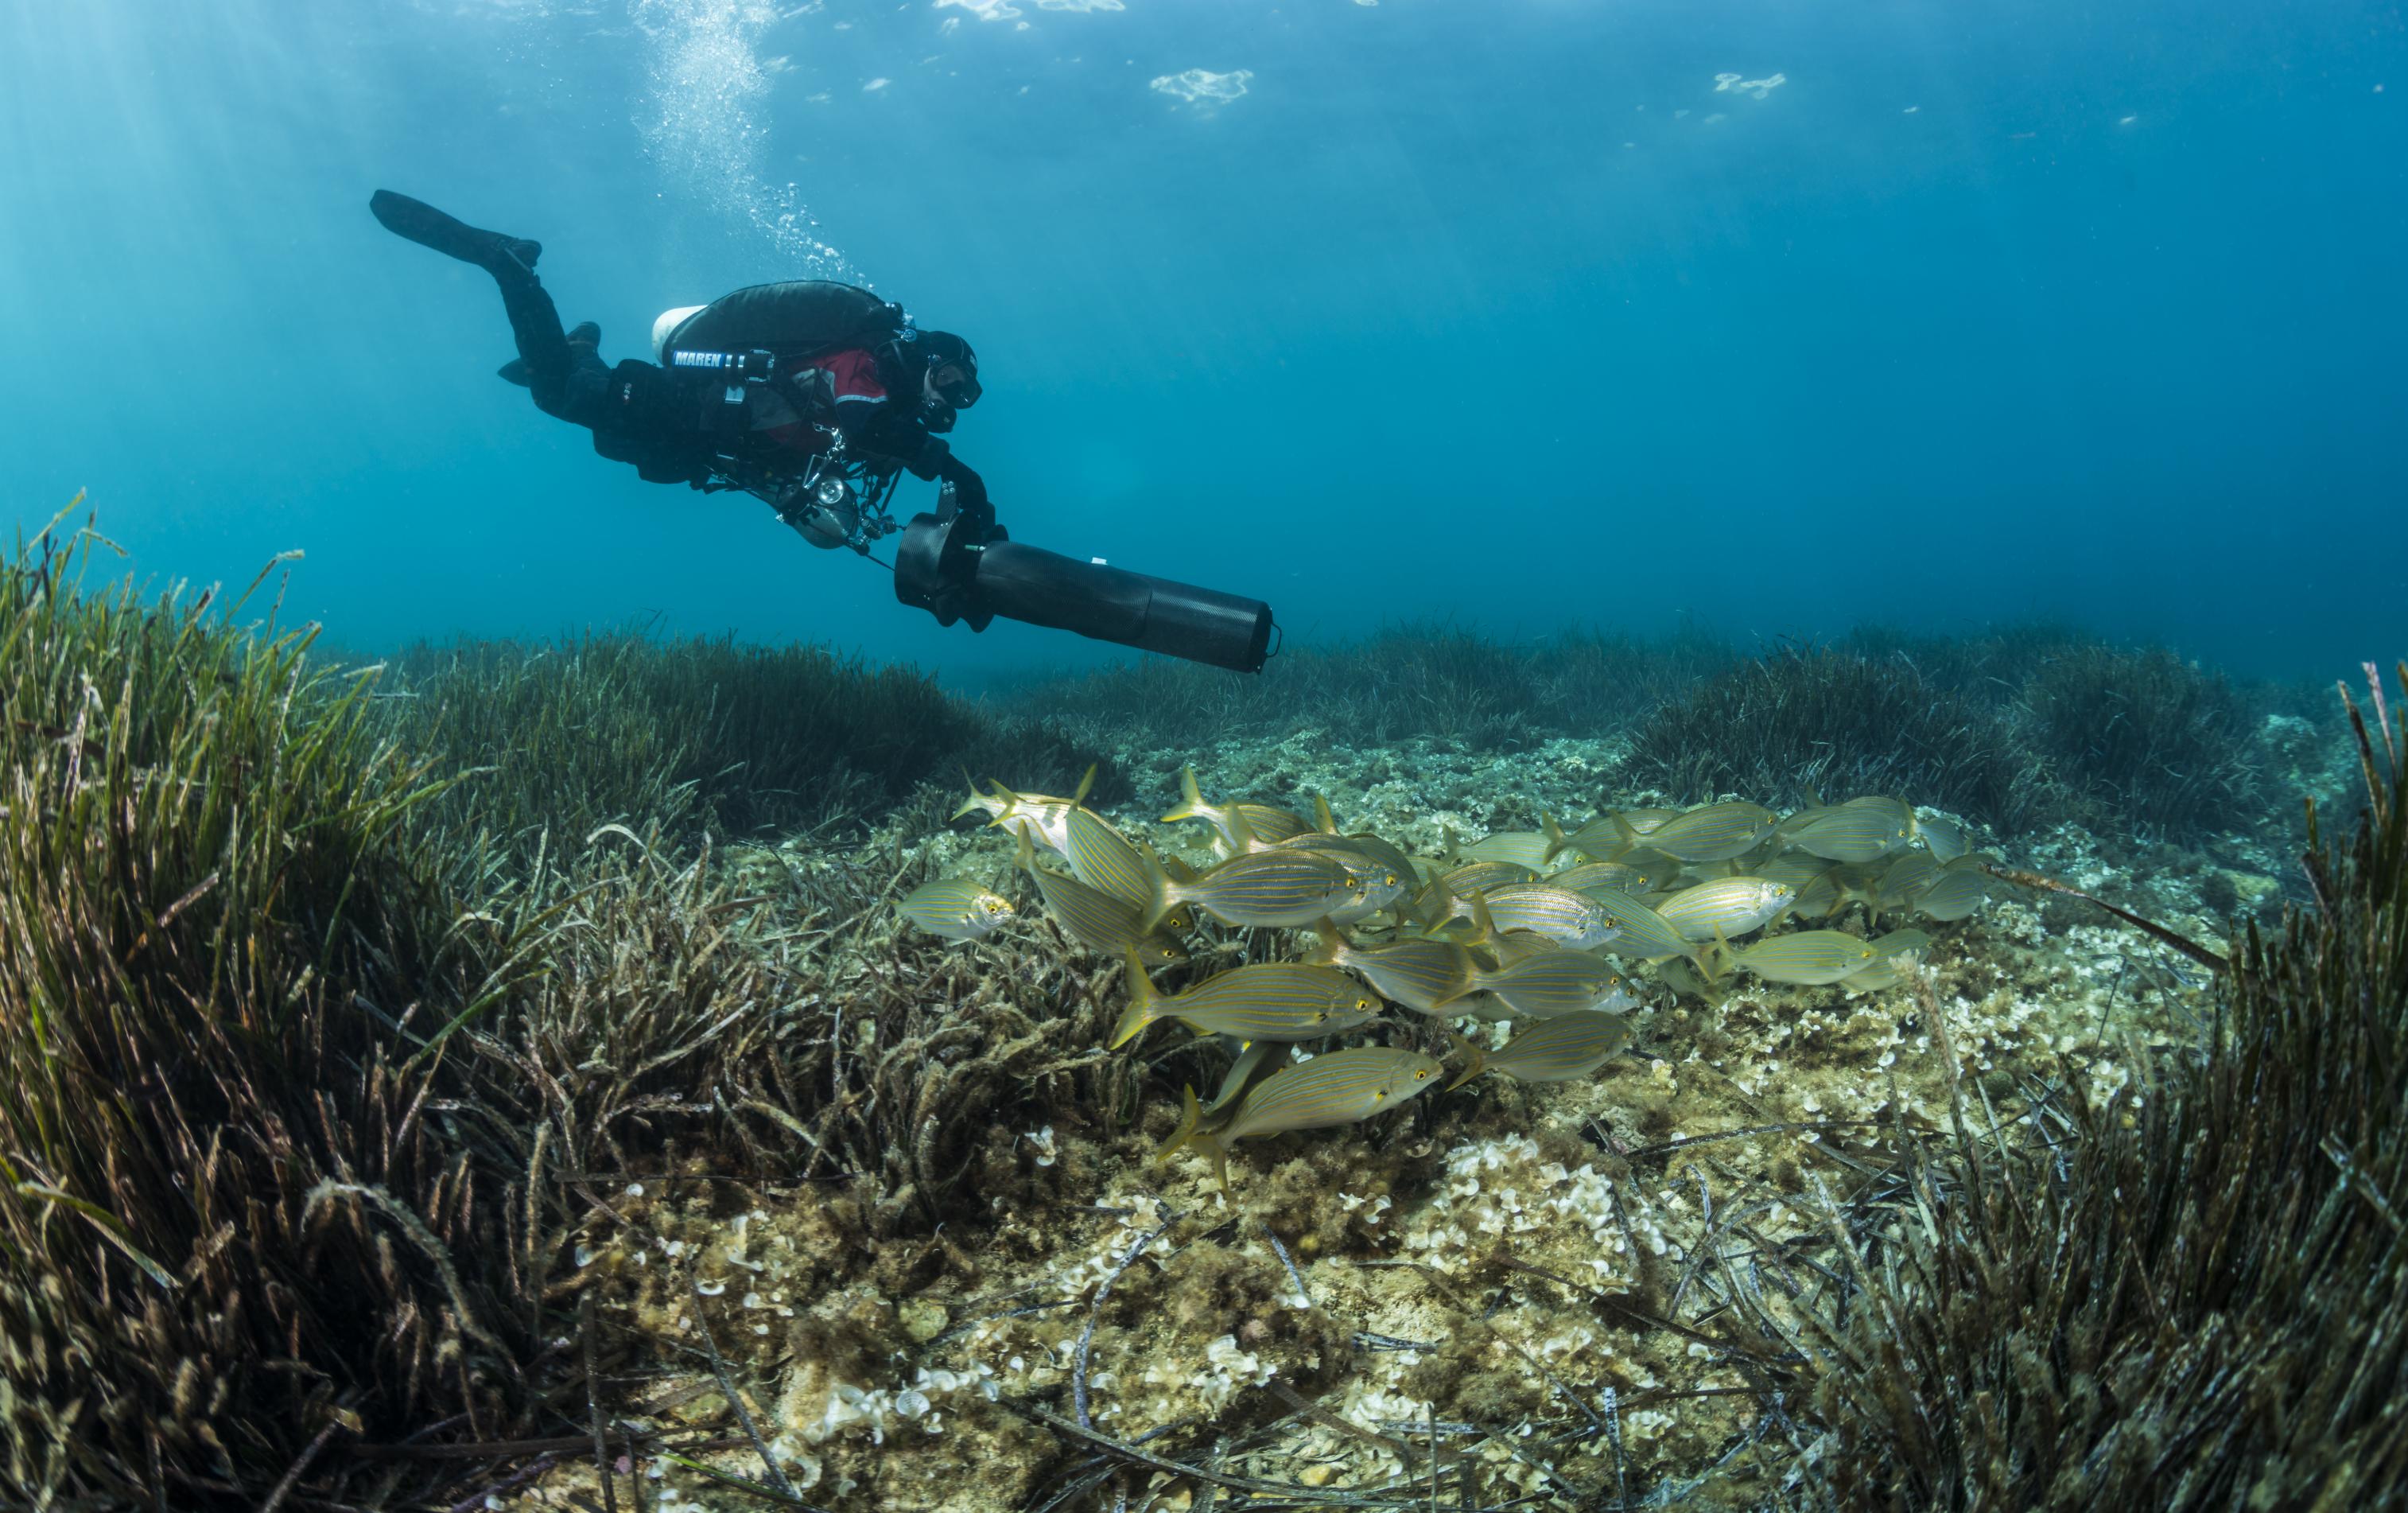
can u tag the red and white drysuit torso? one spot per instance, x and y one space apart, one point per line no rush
845 395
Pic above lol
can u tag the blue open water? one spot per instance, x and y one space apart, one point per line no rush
1496 310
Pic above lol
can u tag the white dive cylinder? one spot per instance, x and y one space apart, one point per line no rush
670 320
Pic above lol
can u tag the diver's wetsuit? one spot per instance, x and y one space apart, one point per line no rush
643 414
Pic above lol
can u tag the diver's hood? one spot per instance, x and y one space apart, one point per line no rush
666 326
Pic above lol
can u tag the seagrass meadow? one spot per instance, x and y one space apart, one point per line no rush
498 1075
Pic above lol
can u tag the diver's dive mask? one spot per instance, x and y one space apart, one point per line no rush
954 384
950 380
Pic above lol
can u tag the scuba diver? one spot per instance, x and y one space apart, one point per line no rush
812 395
817 397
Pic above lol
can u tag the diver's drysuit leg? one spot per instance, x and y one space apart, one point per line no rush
568 380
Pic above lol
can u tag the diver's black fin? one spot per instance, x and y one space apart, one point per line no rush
424 225
515 371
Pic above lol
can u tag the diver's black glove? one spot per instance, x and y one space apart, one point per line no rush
969 494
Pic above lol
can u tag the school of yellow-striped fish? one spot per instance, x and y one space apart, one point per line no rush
1555 935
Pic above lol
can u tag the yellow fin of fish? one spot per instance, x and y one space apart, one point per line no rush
1475 1061
1145 1004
